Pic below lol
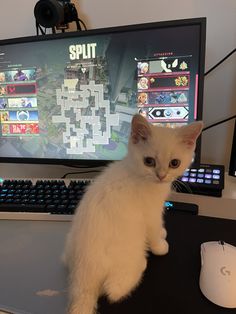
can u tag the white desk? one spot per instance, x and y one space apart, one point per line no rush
32 276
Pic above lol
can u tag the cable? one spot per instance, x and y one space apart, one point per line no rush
82 166
222 60
78 172
209 71
84 25
217 123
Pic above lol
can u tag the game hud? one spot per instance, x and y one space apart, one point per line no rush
73 97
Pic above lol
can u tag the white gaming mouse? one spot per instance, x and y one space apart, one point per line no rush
218 273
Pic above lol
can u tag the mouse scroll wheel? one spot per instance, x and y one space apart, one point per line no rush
223 244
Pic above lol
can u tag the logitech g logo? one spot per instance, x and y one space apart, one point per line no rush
224 271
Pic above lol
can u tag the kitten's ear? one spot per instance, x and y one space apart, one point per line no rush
190 133
140 129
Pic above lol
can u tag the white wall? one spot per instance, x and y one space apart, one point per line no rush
17 20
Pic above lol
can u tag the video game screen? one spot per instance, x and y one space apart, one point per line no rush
72 97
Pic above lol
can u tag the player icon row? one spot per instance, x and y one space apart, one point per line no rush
162 98
18 115
19 129
19 102
18 75
166 114
18 89
164 65
163 82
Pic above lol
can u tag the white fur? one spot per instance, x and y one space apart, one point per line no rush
120 219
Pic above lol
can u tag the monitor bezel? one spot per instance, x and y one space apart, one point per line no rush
232 163
201 21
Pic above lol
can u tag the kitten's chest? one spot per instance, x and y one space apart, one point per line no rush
137 206
142 201
151 194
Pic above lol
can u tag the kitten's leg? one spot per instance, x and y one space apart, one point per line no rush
84 290
156 235
123 279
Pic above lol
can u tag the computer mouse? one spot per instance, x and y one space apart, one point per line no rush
218 273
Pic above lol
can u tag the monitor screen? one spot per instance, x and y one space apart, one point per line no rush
69 98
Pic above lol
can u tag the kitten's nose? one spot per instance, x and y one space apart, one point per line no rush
161 176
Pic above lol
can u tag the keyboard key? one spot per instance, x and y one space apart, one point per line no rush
201 170
51 207
74 202
200 180
200 175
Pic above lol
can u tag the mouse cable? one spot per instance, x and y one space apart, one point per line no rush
221 61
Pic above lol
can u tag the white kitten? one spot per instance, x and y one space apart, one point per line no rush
120 216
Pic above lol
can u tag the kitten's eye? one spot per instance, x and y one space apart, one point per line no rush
149 161
174 163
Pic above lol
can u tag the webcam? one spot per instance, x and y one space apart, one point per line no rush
55 14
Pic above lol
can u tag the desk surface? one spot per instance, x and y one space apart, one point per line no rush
30 267
222 207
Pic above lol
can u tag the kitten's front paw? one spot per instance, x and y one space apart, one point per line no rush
163 233
161 248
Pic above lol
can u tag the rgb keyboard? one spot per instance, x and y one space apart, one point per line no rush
58 199
205 180
43 197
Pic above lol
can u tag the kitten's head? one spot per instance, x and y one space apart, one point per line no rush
159 153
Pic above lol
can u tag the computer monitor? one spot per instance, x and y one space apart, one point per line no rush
232 165
69 98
